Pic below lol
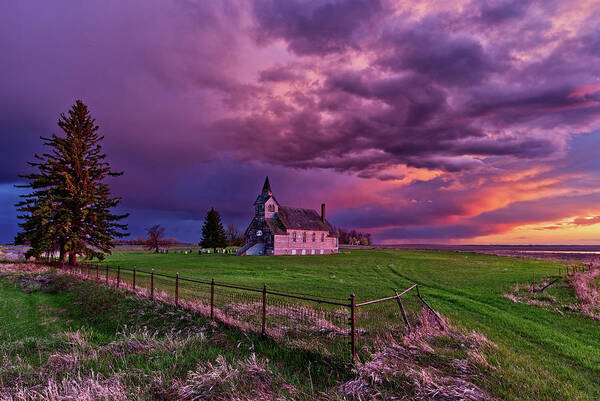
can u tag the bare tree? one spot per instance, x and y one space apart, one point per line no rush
155 238
234 235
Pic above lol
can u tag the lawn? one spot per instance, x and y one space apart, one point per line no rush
541 354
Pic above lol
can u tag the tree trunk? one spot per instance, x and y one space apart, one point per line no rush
72 258
63 254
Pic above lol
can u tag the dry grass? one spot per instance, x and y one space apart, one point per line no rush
92 388
587 291
249 379
415 369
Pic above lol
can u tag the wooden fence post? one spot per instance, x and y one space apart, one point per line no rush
352 328
264 310
176 289
152 284
212 298
402 309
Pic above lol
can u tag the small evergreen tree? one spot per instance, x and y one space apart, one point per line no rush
213 234
69 207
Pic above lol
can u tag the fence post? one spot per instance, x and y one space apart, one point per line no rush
176 288
212 298
402 309
352 328
133 278
429 307
107 274
264 310
97 272
152 284
118 276
533 283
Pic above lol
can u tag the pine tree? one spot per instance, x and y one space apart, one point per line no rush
69 207
213 234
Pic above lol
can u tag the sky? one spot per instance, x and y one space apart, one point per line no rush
467 121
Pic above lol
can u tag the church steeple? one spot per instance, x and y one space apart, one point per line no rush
267 187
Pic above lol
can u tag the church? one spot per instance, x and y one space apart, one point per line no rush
284 230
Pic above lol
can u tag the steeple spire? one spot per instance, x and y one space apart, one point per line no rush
267 187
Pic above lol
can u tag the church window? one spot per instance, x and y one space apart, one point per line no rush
293 237
322 237
271 207
304 237
314 237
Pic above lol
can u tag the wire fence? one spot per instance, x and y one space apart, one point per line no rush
330 326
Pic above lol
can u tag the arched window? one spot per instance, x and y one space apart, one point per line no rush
322 237
271 207
314 237
304 236
294 236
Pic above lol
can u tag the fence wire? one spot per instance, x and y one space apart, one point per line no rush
321 325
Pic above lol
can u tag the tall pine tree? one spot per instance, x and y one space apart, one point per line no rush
69 207
213 234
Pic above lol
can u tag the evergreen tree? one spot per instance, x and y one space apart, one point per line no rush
213 234
69 207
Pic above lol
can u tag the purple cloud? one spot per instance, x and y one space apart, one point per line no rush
454 122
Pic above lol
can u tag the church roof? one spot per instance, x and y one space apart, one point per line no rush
266 193
303 219
276 225
267 186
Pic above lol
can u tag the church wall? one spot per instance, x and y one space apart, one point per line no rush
284 244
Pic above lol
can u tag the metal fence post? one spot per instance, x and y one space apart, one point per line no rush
352 327
212 298
152 284
264 310
176 289
133 278
118 276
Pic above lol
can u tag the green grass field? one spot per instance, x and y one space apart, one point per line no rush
542 355
81 328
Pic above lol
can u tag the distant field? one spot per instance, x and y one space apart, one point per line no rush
541 354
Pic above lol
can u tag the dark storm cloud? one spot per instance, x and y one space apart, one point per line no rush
495 12
316 27
444 57
198 99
